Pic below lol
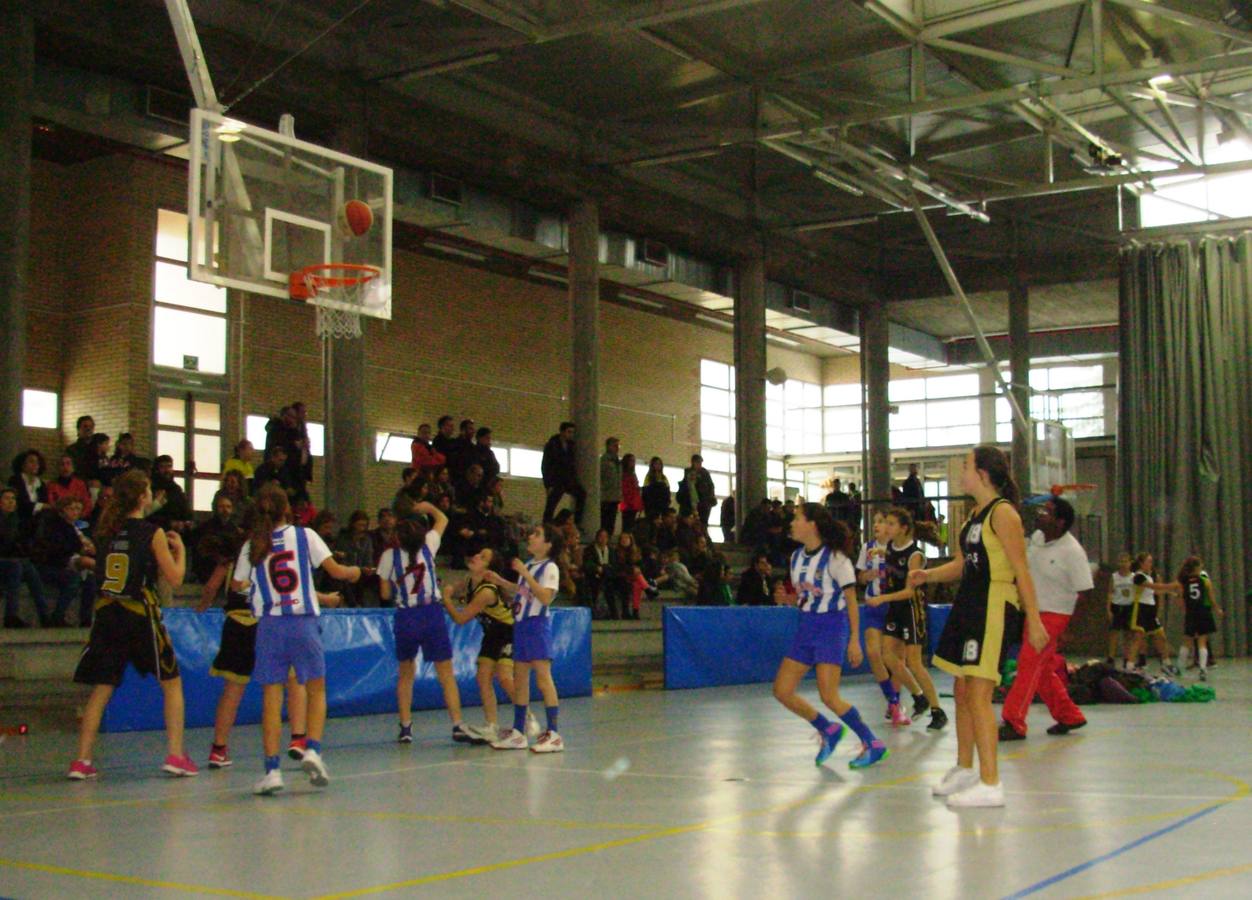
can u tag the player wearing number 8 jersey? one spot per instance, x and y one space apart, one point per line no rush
276 568
127 628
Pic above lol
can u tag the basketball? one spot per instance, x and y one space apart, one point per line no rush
357 217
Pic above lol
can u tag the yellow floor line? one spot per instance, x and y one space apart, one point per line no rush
1172 883
132 879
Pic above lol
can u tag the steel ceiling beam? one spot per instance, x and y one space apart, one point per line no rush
1004 12
1161 11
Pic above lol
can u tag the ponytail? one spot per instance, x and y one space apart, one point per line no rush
919 531
993 461
1190 566
269 512
834 534
411 533
128 491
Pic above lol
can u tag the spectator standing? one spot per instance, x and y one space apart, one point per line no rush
560 476
67 484
911 491
837 501
426 459
755 532
445 439
632 497
483 455
16 567
242 462
27 483
610 485
597 562
284 432
80 450
170 509
695 491
656 490
756 584
461 454
727 519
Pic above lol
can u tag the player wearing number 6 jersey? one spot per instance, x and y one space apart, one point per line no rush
828 632
276 568
127 626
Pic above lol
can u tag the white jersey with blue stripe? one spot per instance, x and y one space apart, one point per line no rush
525 604
282 583
820 579
414 581
877 565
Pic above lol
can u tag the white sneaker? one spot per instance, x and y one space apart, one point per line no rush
480 735
978 795
549 742
488 732
270 785
532 725
956 779
315 768
510 740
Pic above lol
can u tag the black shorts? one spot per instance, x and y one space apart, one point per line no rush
1199 621
120 636
497 645
237 654
906 621
979 632
1143 618
1121 617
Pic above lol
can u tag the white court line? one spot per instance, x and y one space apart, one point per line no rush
238 789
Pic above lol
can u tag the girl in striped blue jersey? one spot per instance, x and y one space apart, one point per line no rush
824 587
276 568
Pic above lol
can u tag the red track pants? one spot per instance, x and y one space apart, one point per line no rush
1036 673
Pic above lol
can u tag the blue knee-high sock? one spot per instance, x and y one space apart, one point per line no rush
889 691
852 719
519 718
271 763
822 724
315 746
552 714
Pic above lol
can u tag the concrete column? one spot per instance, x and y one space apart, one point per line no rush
875 332
17 73
1019 359
584 301
749 341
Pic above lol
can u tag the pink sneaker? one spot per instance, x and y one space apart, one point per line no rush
81 770
182 766
898 716
219 759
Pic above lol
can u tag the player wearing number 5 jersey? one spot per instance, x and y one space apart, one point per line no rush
276 568
407 575
127 626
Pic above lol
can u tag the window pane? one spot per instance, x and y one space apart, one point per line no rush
773 413
1038 379
774 469
843 443
794 440
202 491
208 416
525 463
1087 427
254 428
812 395
641 472
170 443
714 401
1003 412
774 441
907 389
775 490
398 448
773 393
1082 405
952 386
1004 433
317 439
178 334
172 411
956 436
843 394
952 412
721 483
1061 377
39 409
717 460
715 374
502 457
171 238
172 285
715 429
673 474
911 437
207 452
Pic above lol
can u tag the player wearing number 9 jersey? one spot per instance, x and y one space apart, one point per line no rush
276 568
127 627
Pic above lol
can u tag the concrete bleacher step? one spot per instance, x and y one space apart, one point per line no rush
34 653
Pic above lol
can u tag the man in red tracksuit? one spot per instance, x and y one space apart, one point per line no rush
1061 573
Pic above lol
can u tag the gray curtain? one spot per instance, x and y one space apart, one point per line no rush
1184 431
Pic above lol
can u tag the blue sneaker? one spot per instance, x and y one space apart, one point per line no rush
829 743
870 754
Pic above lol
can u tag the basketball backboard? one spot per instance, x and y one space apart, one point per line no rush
1051 455
264 205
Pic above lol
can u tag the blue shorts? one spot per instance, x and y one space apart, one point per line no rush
425 629
873 616
532 639
821 639
288 642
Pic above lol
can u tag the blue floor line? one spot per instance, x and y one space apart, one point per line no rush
1082 867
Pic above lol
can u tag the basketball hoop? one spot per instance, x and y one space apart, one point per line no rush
339 291
1081 496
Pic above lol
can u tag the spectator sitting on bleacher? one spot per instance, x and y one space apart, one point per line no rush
384 536
67 484
242 462
211 541
100 467
677 577
16 567
495 490
756 587
354 547
689 532
327 527
443 488
597 560
727 519
65 561
234 487
755 531
170 508
426 459
621 576
667 536
274 469
483 455
80 450
124 458
27 483
470 488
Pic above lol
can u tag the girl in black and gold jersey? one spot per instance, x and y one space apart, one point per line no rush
484 601
127 628
995 582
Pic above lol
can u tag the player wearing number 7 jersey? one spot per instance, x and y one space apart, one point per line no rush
127 628
276 568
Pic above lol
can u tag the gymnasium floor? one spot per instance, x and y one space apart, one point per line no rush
689 794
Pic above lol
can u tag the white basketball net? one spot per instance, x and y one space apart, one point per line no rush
337 323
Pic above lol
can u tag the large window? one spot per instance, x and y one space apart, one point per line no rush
39 409
189 431
1191 198
189 317
1072 395
942 411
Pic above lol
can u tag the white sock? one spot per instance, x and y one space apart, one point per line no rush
1182 657
1204 658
